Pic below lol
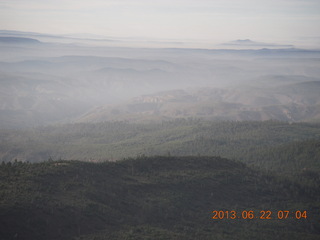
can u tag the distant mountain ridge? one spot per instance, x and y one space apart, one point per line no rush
292 102
248 43
18 40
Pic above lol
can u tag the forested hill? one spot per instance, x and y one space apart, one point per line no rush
271 144
153 198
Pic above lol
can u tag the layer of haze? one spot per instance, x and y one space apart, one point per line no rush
88 61
282 21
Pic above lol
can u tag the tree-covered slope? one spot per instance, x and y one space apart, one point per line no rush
289 157
115 140
151 198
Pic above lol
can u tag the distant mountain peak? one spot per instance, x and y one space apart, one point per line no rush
243 41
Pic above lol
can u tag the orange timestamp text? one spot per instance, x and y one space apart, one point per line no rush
263 214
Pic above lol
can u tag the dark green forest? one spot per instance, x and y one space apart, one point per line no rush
151 198
286 148
117 140
160 180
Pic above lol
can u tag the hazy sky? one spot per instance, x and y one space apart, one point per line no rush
220 20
